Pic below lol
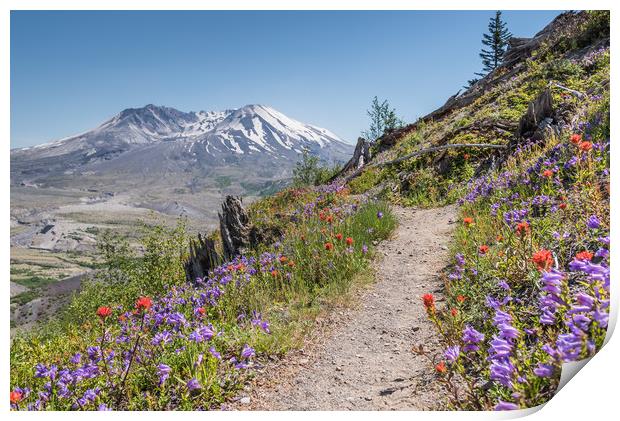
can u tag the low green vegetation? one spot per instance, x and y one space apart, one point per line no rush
310 171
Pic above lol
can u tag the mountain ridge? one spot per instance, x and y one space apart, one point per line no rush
254 134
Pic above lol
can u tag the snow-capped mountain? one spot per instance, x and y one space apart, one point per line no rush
156 139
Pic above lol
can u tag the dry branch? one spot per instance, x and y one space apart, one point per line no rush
438 148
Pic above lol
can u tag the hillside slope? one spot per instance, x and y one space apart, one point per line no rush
528 288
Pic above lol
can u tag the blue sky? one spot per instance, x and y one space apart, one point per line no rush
70 71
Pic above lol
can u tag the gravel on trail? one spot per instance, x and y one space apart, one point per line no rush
363 359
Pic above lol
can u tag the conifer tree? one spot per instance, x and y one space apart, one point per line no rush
496 40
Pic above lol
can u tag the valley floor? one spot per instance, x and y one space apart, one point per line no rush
365 361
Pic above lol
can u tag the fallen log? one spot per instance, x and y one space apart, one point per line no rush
421 152
578 94
439 148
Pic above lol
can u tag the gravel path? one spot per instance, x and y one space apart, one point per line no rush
364 359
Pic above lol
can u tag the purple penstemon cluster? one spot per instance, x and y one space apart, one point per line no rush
589 310
471 338
173 323
452 353
501 346
551 296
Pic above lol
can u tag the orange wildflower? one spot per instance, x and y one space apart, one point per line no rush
429 302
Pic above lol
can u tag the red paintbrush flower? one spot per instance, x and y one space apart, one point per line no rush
104 312
547 173
349 241
429 302
329 246
483 249
143 303
441 367
522 228
584 255
585 146
543 259
575 139
15 396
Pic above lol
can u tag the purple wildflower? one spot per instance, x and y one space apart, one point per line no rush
193 384
452 353
506 406
544 370
163 371
214 352
593 222
472 338
247 352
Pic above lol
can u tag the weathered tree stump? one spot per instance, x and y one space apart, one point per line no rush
361 156
234 227
202 258
538 110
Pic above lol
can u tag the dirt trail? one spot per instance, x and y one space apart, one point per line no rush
365 362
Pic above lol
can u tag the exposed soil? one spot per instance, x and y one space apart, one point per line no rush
361 359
